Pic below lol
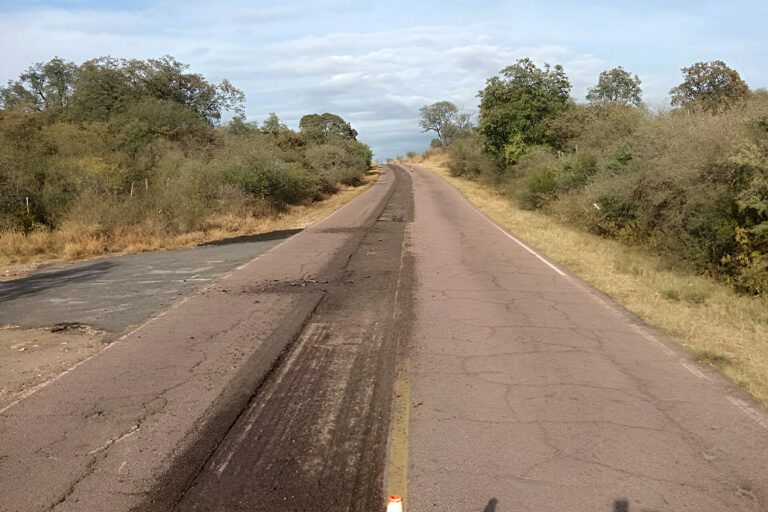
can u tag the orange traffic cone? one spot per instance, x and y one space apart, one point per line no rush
395 504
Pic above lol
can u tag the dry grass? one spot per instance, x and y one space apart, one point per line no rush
76 241
720 327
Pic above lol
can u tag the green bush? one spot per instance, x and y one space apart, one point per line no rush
466 157
540 187
690 185
136 143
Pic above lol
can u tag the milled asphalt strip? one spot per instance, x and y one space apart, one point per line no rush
314 435
141 405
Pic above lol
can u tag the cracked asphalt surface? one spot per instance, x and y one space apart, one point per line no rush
530 391
314 437
272 388
115 293
130 428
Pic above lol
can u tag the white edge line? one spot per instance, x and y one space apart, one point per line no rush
749 411
653 340
518 241
695 371
221 277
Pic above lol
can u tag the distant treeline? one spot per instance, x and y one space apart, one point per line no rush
690 183
113 143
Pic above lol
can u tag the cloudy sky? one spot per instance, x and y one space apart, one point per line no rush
376 63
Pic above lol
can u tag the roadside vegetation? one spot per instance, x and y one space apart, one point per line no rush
129 155
667 212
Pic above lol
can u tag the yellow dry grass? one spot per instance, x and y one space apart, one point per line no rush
720 327
76 241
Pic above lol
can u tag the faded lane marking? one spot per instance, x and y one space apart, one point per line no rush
519 242
397 469
397 474
698 373
759 418
109 443
653 340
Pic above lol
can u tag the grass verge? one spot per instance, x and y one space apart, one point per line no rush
20 253
720 327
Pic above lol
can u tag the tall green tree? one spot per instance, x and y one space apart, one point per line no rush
105 86
515 106
710 86
44 86
273 125
438 117
319 128
616 86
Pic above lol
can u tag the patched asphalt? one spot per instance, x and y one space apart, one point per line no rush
115 293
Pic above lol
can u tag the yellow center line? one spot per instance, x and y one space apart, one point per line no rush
397 474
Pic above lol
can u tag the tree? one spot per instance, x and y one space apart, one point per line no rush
616 86
106 86
42 87
166 79
319 128
514 107
711 86
437 117
273 125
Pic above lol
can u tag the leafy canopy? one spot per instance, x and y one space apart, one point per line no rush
446 120
319 128
103 87
616 86
515 106
43 86
437 117
710 86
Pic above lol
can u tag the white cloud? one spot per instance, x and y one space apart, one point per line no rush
376 64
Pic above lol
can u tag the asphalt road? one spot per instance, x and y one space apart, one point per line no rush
315 434
406 344
115 293
131 427
530 391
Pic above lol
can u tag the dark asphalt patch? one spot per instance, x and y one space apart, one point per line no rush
314 436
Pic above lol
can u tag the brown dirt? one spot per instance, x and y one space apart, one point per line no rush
30 357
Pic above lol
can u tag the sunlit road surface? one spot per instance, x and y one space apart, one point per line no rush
405 345
297 344
530 391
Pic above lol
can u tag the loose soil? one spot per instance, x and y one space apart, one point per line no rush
31 357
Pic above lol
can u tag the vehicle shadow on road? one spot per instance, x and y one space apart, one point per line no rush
263 237
618 505
621 506
36 283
